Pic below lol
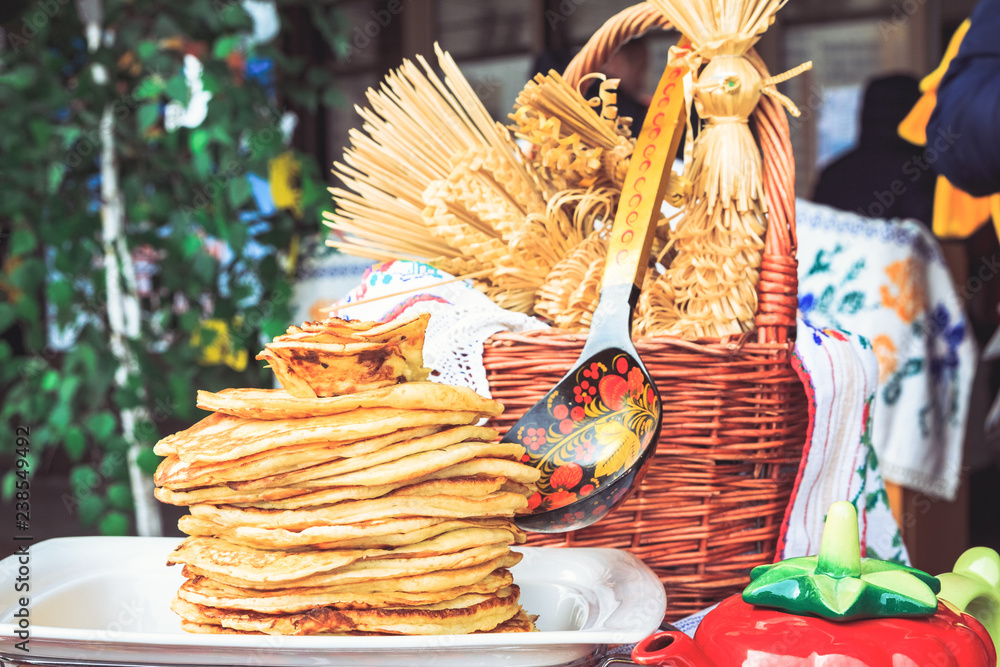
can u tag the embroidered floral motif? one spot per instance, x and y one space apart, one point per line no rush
910 297
889 280
885 352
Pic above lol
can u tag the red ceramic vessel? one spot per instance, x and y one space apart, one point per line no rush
737 634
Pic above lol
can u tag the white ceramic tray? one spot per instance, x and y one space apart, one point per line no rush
106 600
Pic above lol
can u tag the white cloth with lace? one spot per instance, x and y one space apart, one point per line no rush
462 317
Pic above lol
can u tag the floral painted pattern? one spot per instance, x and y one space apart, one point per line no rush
590 434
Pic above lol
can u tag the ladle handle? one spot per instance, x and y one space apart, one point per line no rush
645 183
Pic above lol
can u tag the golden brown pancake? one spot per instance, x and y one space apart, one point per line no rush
357 511
331 360
223 438
176 474
305 496
216 557
459 486
391 574
204 591
279 404
410 468
468 613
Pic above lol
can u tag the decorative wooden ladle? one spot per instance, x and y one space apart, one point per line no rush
593 434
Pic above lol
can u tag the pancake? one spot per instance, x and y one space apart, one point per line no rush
520 622
221 437
403 574
330 360
218 557
174 473
279 404
369 535
223 495
203 591
459 486
519 480
409 468
467 613
356 511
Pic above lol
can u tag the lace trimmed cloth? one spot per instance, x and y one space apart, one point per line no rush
462 318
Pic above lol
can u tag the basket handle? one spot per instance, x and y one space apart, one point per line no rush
777 291
627 24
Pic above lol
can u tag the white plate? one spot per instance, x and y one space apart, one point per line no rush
106 599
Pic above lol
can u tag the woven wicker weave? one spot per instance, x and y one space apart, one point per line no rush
734 411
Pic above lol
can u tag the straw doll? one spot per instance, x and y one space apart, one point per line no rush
709 288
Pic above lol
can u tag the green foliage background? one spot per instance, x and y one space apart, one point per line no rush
178 187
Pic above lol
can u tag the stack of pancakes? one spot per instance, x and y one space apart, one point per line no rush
384 510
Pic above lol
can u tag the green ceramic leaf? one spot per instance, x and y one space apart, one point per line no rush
840 585
898 583
870 566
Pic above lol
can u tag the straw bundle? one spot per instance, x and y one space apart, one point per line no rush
709 288
574 146
433 178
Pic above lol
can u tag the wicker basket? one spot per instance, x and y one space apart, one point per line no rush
734 411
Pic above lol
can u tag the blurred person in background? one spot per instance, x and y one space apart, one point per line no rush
967 112
960 111
884 176
968 107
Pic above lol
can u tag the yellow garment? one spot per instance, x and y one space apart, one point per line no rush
957 214
995 210
914 126
219 348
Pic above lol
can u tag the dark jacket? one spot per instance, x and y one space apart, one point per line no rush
967 115
884 176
